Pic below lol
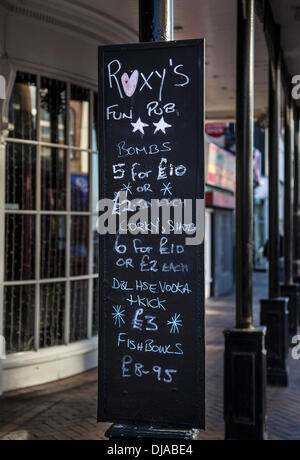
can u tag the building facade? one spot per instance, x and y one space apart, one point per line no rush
49 189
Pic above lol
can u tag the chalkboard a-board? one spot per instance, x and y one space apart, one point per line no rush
152 334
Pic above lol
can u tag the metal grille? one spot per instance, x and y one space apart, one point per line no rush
50 249
19 314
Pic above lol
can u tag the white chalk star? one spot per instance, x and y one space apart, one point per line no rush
139 126
161 126
127 188
118 315
166 189
175 324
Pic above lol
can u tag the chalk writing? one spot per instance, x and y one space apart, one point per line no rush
151 367
129 368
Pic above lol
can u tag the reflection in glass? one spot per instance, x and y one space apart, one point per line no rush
79 117
19 247
259 234
19 314
52 307
22 108
20 177
95 182
53 180
79 310
53 111
79 165
95 124
95 307
53 246
95 246
79 245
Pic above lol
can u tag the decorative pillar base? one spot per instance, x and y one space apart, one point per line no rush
125 432
292 291
245 384
274 315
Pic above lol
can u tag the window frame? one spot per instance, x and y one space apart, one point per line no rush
68 213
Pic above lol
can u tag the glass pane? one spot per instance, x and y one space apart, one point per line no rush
79 245
95 246
53 181
53 246
20 177
22 109
79 310
53 111
95 124
52 314
95 307
95 184
19 308
19 248
79 166
79 117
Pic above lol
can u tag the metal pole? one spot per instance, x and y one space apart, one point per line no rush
274 136
275 306
244 378
156 19
288 218
244 173
289 288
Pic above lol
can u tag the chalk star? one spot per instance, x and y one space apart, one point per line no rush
127 188
175 324
139 126
118 315
167 189
161 126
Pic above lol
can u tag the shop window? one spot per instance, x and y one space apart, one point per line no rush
20 177
51 244
19 314
53 111
20 233
23 107
52 313
78 330
80 108
53 247
53 179
79 180
79 245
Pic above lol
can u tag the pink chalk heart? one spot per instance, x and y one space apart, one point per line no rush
130 84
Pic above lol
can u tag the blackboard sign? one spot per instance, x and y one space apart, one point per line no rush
152 335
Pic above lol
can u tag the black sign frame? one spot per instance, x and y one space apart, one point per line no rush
104 414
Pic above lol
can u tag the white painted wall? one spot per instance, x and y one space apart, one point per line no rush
29 369
58 39
47 46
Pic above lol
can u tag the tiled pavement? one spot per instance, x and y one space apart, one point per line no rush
67 409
